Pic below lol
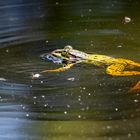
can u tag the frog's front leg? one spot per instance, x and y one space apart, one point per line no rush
65 67
118 69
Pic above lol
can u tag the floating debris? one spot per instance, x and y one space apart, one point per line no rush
45 105
90 10
68 106
46 41
79 116
136 101
119 46
7 50
37 75
84 88
34 97
57 3
116 109
71 79
27 115
127 20
43 96
65 112
89 94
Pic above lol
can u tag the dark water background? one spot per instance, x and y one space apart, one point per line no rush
94 106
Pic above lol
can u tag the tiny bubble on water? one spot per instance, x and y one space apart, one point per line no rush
79 116
65 112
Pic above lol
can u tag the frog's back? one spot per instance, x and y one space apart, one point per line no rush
100 59
79 54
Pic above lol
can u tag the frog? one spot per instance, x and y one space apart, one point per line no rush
69 57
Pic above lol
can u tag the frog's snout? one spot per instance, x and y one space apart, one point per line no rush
50 57
44 56
47 57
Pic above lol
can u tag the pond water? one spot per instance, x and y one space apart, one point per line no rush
83 103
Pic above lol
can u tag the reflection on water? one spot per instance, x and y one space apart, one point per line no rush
82 103
20 21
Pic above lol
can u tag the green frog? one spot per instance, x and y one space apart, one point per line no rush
69 57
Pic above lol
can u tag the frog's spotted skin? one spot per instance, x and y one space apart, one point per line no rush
114 66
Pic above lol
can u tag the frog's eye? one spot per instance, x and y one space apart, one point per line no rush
67 48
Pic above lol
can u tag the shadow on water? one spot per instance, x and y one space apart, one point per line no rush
91 106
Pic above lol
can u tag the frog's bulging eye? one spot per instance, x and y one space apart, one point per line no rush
67 48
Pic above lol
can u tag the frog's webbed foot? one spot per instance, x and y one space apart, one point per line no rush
135 87
65 67
117 69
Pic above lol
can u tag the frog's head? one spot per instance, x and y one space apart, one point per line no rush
66 55
58 56
63 53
